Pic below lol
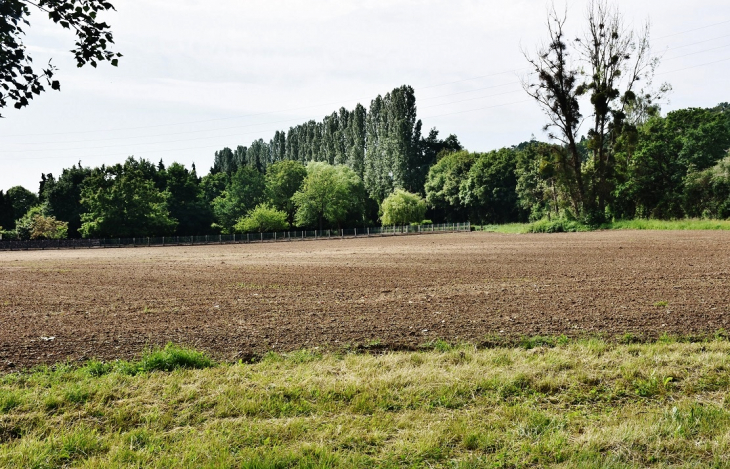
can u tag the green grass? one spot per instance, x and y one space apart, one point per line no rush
689 224
548 402
563 226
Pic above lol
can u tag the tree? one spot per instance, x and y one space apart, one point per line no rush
120 201
37 224
186 202
20 200
443 185
393 136
540 190
329 193
7 214
668 149
245 191
283 180
489 190
615 59
402 208
19 82
707 192
262 218
63 196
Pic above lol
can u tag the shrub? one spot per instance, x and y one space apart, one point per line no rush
36 224
262 218
559 225
402 208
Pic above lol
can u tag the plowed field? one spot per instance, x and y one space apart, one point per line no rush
236 301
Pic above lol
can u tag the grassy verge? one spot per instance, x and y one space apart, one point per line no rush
574 403
562 226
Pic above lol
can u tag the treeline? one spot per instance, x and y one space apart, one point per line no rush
365 167
670 167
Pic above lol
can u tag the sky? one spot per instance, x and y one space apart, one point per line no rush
198 76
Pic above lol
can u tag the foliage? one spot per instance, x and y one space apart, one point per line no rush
37 224
283 180
443 184
185 200
393 140
19 82
489 190
557 225
17 201
62 196
245 191
612 60
402 208
262 218
329 193
120 201
686 141
707 193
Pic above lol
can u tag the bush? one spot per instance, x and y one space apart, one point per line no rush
402 208
173 357
36 224
262 218
559 225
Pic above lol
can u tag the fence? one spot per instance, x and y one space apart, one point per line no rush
281 236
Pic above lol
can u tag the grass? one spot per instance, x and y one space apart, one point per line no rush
689 224
562 226
547 402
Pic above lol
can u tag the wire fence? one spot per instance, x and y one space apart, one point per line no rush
279 236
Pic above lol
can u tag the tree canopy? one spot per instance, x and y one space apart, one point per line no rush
19 80
329 193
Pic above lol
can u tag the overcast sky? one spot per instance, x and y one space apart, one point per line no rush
198 76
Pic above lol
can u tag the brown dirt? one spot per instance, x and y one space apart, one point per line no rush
241 300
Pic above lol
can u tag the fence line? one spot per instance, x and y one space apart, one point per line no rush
279 236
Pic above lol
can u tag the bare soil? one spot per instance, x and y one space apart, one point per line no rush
239 301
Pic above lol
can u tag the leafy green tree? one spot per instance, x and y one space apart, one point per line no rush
686 140
329 193
245 191
540 191
443 185
707 192
7 214
20 200
402 208
63 196
37 224
120 201
489 190
283 180
261 219
393 136
186 202
19 82
213 184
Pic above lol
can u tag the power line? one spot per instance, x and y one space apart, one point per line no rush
699 42
698 52
695 66
695 29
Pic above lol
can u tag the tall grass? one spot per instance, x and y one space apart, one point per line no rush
547 402
688 224
560 225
